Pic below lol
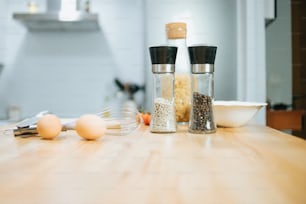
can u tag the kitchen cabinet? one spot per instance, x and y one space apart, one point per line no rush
270 11
251 164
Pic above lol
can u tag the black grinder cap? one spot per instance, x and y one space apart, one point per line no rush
163 54
202 54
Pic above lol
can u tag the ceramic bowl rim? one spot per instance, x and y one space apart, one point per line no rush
238 103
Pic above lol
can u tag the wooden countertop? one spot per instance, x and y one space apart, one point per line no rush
248 165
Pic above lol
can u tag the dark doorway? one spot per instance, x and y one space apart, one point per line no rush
298 12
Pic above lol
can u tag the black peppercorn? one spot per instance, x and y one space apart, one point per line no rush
201 115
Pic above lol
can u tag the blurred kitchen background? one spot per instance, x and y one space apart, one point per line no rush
71 72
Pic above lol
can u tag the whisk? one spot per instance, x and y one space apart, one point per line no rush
118 122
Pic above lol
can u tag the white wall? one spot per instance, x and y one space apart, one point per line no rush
72 73
279 59
251 59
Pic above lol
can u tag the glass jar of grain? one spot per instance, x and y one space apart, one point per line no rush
202 60
163 68
176 36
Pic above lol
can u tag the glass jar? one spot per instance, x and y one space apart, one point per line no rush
176 36
202 92
163 109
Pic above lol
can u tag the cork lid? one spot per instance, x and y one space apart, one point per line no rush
176 30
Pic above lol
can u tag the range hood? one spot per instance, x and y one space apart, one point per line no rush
60 15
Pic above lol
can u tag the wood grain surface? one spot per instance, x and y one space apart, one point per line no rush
253 164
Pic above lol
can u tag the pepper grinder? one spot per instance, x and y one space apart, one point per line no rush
202 59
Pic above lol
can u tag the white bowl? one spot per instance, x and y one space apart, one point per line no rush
235 113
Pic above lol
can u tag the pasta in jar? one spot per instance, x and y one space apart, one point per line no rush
182 97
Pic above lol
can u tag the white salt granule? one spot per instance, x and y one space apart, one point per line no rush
163 118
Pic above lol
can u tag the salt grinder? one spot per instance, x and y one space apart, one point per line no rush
202 59
163 67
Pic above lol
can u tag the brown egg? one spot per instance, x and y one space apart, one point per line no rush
90 126
49 126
